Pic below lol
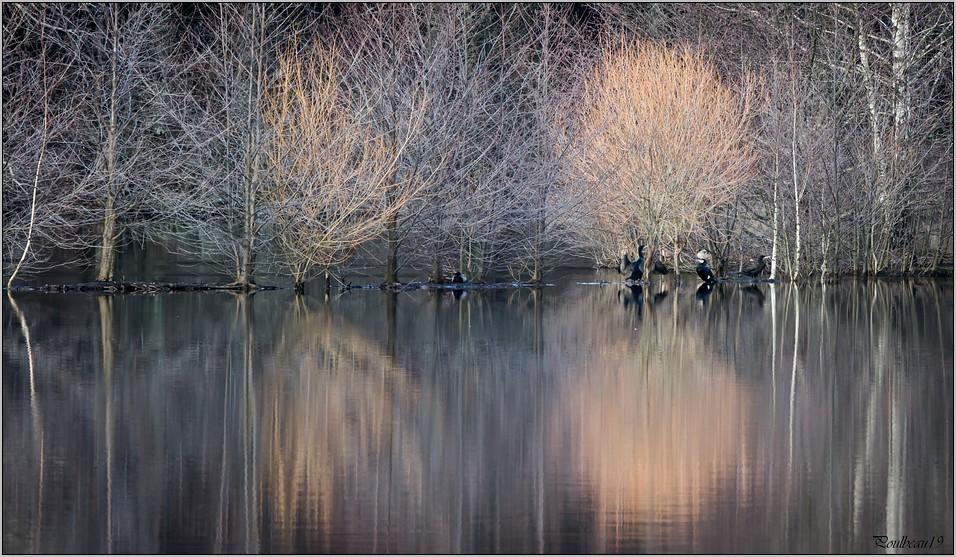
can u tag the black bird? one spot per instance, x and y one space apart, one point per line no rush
758 268
459 278
660 268
625 263
634 270
704 272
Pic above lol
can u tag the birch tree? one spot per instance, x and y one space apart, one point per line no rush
901 69
38 110
44 97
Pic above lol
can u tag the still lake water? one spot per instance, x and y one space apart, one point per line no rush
577 418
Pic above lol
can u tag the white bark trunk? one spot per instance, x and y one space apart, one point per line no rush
901 62
776 214
796 193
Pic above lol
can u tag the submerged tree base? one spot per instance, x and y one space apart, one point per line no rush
112 287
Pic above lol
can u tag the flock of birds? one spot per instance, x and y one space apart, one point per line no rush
634 270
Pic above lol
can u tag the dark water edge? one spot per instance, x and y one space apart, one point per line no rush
602 419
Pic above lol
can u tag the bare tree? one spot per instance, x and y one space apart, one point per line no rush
511 203
387 55
334 177
845 131
220 206
44 95
900 68
550 206
400 50
118 49
670 143
98 174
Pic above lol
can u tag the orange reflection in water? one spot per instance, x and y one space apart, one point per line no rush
333 441
658 428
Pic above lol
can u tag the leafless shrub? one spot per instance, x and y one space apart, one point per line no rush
669 144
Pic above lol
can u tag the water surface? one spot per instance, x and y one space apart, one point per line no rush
572 419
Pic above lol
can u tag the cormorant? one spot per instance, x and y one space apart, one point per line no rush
459 278
758 268
704 272
660 268
635 269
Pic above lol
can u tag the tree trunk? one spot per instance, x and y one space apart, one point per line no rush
901 118
253 154
108 247
436 275
776 215
536 273
676 257
795 274
36 176
246 261
391 257
797 103
901 61
879 214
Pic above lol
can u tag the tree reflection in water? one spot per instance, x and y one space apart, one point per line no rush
573 418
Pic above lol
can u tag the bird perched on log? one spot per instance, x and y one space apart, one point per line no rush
659 267
633 270
625 263
703 271
756 269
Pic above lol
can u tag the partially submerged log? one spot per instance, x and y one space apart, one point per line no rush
113 287
721 280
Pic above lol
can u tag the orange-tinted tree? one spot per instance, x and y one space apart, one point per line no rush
334 177
669 143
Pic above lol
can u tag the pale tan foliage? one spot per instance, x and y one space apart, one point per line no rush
336 183
669 143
